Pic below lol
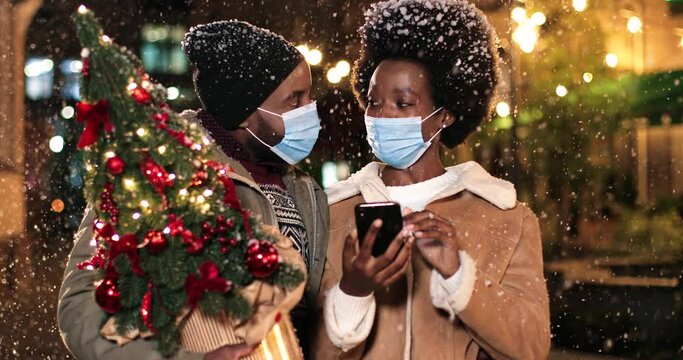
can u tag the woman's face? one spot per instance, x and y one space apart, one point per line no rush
400 89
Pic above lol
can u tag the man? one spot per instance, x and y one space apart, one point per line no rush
254 87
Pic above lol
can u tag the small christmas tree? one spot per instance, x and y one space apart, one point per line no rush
171 234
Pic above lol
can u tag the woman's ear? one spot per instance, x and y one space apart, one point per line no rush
448 119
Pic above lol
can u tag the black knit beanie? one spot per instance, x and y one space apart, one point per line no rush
237 66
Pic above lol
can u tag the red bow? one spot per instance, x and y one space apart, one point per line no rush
210 281
95 117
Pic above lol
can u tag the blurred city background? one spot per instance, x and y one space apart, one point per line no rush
588 124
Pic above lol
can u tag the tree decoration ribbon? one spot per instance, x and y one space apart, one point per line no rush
95 116
210 280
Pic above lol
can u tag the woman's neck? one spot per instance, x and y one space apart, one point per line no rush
427 167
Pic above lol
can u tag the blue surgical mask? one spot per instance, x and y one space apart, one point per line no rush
398 142
302 126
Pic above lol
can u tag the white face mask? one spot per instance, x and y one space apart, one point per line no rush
398 142
302 126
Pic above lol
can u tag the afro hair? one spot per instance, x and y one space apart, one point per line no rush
452 39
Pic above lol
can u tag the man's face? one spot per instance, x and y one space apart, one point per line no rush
293 92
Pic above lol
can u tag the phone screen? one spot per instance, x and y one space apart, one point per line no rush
392 223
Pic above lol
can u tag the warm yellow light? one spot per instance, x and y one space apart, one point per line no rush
611 60
634 24
681 43
315 57
344 68
519 15
503 109
144 204
82 9
161 149
109 154
106 39
303 49
136 215
561 91
208 192
201 199
538 18
132 86
140 132
579 5
526 37
129 184
334 76
587 77
182 192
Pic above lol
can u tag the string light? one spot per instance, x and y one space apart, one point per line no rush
106 39
136 215
141 132
82 9
634 24
129 184
182 192
161 149
201 199
132 86
208 192
561 91
109 154
611 60
579 5
587 77
144 203
503 109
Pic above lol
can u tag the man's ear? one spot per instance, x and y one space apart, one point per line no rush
244 124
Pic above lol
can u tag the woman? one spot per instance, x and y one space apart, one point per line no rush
464 279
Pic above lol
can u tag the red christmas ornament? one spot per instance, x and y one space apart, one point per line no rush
108 296
141 96
155 241
156 174
160 118
262 258
115 165
146 309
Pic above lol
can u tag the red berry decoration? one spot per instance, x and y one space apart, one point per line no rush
155 241
262 258
107 296
141 96
115 165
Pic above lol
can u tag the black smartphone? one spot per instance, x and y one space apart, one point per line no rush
392 223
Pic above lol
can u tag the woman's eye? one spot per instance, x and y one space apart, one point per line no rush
403 105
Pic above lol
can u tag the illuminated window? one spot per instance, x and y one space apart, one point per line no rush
71 72
161 51
40 75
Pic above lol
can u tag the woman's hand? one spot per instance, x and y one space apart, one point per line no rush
435 239
229 352
363 273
